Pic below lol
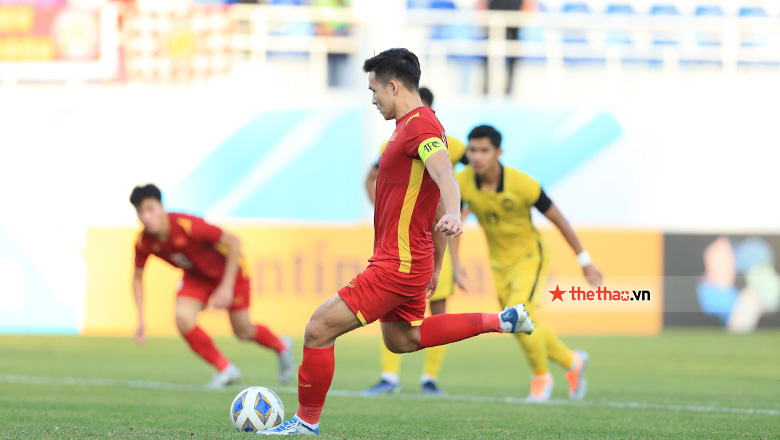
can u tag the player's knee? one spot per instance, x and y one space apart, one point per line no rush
244 333
407 345
313 332
395 348
184 322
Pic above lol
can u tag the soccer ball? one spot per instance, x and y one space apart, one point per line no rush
256 409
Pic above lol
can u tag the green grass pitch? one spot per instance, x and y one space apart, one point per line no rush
693 384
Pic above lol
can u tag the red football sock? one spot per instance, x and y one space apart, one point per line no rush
314 378
266 338
202 344
444 329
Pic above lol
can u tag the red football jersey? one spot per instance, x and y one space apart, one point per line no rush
406 195
192 245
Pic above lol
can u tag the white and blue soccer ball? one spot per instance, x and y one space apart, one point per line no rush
256 409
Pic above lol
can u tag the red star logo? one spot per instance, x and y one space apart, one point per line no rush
557 293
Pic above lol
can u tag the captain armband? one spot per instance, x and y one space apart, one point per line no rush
429 147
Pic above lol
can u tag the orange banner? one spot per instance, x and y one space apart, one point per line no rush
294 269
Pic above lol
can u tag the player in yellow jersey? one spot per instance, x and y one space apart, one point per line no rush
434 356
502 198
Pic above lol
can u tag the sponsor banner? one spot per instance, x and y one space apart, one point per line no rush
48 32
294 269
728 281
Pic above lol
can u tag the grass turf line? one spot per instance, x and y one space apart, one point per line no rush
686 368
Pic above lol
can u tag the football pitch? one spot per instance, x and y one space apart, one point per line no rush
692 384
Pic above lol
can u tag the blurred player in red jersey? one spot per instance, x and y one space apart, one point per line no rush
210 259
411 229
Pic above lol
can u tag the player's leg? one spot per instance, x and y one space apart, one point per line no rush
331 319
434 356
190 300
248 331
574 361
521 284
245 330
389 379
362 301
404 331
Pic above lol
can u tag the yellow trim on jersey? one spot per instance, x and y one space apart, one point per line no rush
186 224
412 117
362 319
430 146
410 199
416 323
223 249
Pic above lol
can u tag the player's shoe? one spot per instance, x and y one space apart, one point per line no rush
286 361
429 387
383 387
578 386
541 388
225 377
293 426
515 320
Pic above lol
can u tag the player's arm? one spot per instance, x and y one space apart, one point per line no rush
138 295
440 169
223 295
548 208
371 183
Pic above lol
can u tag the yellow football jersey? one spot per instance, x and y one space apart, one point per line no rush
505 214
456 149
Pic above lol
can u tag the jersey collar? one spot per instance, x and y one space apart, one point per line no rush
500 187
410 115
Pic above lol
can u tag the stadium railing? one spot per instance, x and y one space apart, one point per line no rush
613 38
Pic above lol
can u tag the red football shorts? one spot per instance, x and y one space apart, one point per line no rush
386 295
201 289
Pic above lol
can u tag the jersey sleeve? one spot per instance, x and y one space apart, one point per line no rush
528 189
425 138
457 151
203 231
141 254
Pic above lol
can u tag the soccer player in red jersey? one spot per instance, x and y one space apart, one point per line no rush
210 259
411 228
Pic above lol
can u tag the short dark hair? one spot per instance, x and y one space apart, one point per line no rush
400 64
486 131
426 95
141 193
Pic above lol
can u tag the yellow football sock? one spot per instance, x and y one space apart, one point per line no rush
536 352
391 362
434 357
556 349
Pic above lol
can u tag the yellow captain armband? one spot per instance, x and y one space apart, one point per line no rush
430 146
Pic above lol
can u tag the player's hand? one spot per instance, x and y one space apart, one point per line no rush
223 297
459 272
140 334
450 225
592 274
433 284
